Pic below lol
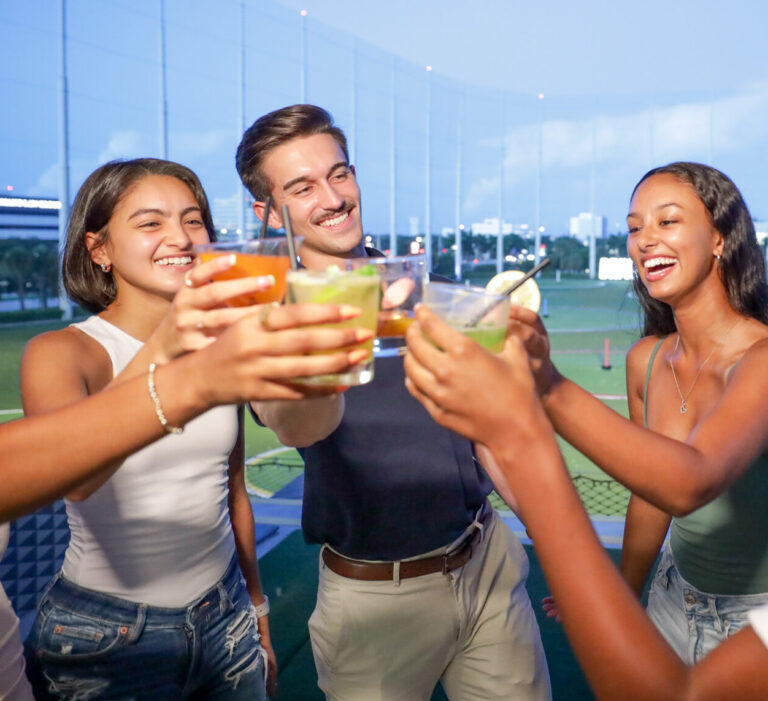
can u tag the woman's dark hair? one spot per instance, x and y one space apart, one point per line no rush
741 265
94 204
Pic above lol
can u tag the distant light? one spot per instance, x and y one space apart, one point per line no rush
28 203
475 261
237 231
303 13
541 96
222 231
418 239
429 68
530 256
414 247
542 229
445 250
9 188
461 227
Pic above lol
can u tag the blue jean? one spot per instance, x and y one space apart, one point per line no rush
87 645
692 621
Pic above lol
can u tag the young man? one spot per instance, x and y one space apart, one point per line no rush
420 580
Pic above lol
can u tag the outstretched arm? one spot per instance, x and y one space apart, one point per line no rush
60 449
684 474
492 399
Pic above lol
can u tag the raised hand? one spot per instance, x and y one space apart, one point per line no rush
258 356
529 328
465 388
198 313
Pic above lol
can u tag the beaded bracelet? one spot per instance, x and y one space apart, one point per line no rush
156 401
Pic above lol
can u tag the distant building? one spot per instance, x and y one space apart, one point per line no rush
226 215
761 229
490 227
29 217
587 224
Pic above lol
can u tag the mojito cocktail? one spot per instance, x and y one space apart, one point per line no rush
473 311
360 288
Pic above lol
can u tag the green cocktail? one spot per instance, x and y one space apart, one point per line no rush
360 288
472 311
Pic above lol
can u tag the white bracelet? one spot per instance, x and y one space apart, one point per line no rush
156 401
263 608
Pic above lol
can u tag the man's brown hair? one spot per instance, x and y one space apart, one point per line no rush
273 130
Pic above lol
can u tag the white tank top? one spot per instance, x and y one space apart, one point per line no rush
158 531
13 682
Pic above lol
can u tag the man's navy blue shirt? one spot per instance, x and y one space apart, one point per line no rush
389 482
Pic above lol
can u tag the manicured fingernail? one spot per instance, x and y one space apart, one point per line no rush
341 388
187 281
347 311
363 335
266 280
355 356
228 261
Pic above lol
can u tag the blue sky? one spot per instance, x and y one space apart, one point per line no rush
626 86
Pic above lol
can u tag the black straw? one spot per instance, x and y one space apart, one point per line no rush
265 217
475 320
289 237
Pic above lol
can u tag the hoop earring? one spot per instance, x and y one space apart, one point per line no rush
105 268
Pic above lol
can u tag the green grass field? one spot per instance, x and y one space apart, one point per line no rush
581 315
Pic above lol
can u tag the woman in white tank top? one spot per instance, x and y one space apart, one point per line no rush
151 600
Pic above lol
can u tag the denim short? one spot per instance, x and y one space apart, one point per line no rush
692 621
87 645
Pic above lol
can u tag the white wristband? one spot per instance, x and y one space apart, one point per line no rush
263 608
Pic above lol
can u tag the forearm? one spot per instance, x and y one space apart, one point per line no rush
614 641
47 456
678 480
302 422
645 529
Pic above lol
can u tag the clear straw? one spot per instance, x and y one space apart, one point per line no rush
289 237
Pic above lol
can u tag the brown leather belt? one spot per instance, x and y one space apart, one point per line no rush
382 571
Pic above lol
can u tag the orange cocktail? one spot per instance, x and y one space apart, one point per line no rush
253 258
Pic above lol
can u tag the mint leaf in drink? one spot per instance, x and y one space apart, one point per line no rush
366 270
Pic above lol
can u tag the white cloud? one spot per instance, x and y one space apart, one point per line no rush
651 136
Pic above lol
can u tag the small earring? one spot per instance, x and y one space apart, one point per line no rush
104 267
717 255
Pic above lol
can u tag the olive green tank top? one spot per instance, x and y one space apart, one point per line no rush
722 548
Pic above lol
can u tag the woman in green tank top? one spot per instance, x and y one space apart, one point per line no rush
693 452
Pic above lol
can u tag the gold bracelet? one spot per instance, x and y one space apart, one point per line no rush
156 401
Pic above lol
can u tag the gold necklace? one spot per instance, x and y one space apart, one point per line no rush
683 399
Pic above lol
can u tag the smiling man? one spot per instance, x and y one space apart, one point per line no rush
420 581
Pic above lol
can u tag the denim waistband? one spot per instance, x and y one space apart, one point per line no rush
63 593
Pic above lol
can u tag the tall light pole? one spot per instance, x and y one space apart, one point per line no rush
592 207
163 126
428 176
457 227
393 161
502 156
539 157
64 303
239 194
303 69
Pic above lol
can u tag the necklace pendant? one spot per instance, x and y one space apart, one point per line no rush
683 407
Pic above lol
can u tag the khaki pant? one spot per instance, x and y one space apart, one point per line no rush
473 629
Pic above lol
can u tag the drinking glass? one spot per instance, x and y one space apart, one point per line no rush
473 311
359 288
253 257
402 284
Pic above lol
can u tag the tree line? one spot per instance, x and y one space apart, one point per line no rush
29 268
